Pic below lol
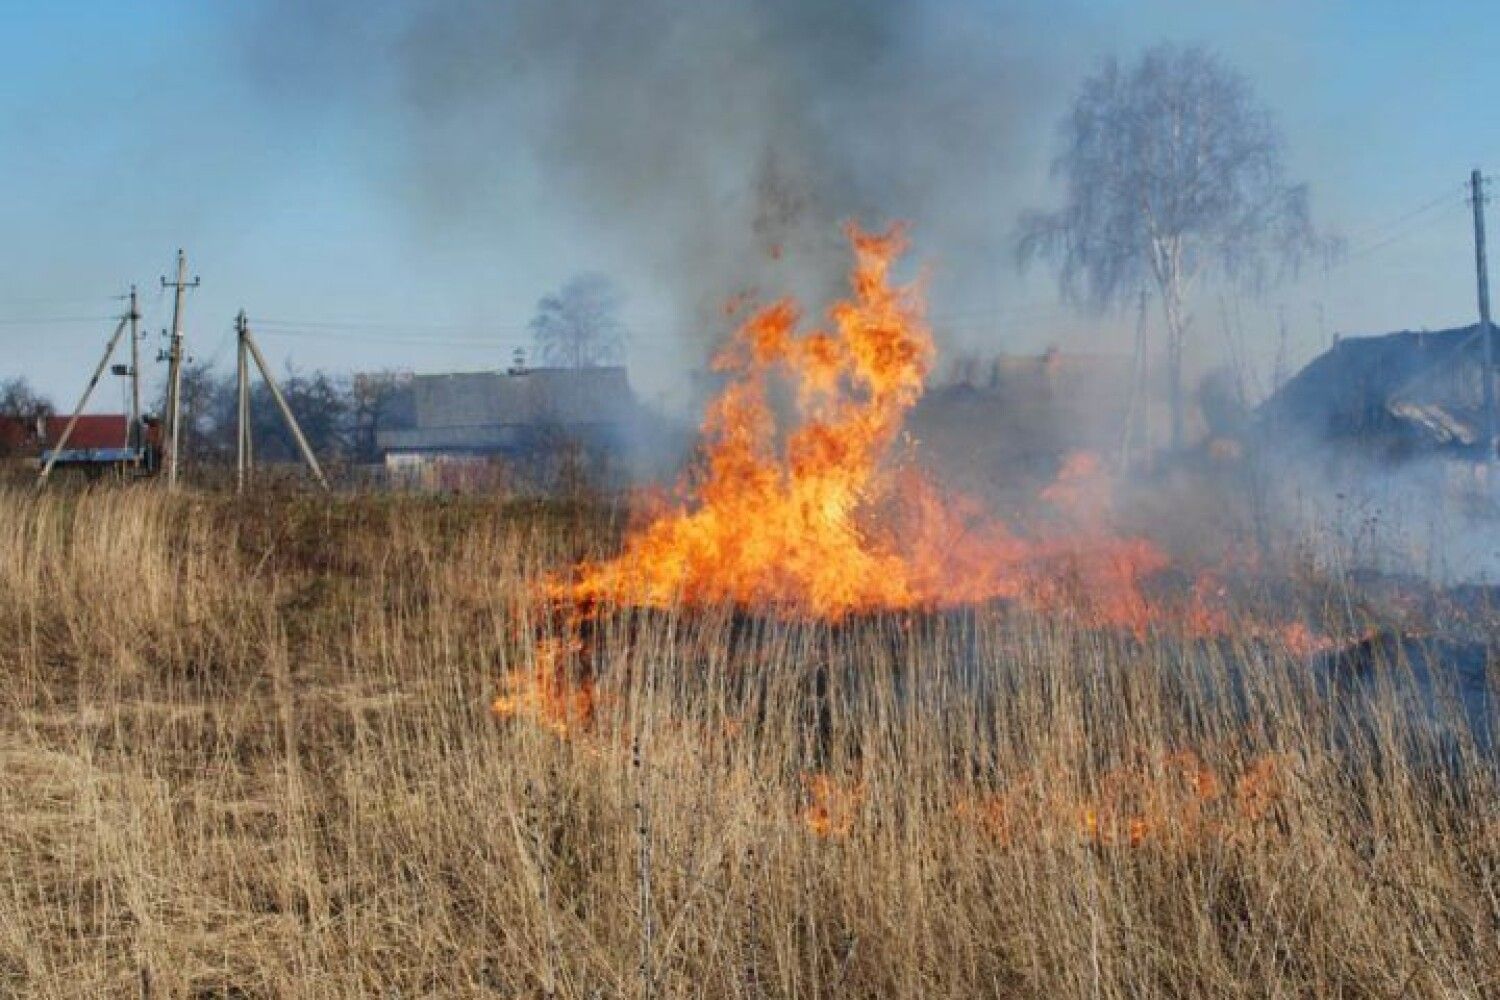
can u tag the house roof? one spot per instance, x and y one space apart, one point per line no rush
1004 430
1419 385
532 397
93 431
497 410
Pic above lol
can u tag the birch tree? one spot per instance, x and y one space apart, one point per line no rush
1173 172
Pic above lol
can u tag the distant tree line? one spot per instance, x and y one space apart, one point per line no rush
338 415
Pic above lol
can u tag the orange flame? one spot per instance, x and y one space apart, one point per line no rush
816 519
1174 799
545 695
832 806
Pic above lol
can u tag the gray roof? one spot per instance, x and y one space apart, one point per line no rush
1424 388
530 397
500 410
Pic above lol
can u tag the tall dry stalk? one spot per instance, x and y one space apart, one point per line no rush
246 749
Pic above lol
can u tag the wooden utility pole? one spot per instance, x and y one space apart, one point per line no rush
135 439
174 369
83 401
244 453
248 341
1481 267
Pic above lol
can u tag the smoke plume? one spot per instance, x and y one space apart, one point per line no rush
710 147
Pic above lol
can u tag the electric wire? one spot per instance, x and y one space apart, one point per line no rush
1399 235
53 320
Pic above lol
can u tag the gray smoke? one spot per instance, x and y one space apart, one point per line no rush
710 147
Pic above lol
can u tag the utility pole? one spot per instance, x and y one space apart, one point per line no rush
174 369
136 439
83 401
244 454
286 411
1481 267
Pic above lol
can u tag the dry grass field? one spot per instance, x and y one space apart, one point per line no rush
248 749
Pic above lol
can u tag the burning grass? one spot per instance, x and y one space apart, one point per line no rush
813 510
251 750
814 728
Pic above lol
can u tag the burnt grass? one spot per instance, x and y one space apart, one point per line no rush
246 749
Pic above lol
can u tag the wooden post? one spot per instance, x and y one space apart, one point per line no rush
174 370
83 401
242 400
286 411
1482 272
135 438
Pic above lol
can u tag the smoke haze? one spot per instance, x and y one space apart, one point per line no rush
707 147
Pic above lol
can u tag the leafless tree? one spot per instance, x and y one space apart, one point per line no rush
1173 172
322 404
22 404
579 326
20 401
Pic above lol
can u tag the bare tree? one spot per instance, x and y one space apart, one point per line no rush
19 401
23 406
1173 171
375 398
207 413
579 325
321 403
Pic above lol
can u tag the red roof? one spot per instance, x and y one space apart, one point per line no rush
94 430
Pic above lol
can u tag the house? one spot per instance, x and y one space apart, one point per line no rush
98 442
1002 426
1398 395
456 430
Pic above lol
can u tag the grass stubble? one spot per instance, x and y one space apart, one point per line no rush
247 749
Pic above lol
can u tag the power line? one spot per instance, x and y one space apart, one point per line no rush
219 350
499 342
360 325
356 337
52 320
87 300
1399 235
1378 230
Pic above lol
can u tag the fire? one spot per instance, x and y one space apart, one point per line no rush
545 695
832 806
821 518
1172 799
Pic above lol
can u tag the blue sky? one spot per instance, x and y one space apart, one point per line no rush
132 129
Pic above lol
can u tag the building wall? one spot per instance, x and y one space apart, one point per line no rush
445 473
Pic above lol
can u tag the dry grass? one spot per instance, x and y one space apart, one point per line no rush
246 750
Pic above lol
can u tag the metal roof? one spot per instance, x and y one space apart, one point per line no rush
531 397
93 430
1417 385
497 411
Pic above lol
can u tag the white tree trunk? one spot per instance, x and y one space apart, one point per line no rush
1176 336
